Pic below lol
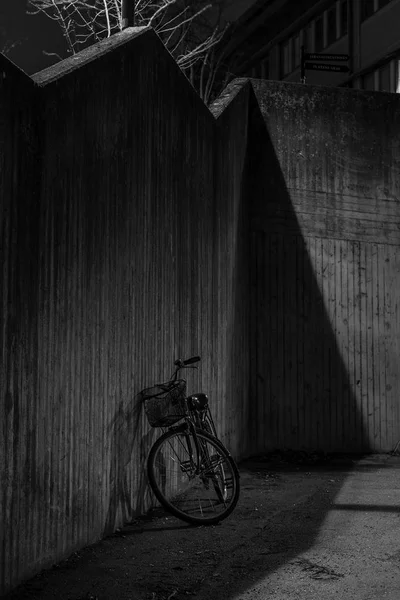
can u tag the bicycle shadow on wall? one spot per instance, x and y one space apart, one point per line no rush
129 492
301 388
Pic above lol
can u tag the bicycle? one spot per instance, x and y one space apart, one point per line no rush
191 473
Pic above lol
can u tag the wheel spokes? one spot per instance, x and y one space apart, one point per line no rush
201 494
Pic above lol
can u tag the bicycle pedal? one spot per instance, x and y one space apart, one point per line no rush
186 465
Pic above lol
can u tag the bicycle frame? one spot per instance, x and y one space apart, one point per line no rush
200 419
189 427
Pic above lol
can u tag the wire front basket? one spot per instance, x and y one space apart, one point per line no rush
165 403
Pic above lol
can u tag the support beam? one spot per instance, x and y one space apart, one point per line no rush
128 13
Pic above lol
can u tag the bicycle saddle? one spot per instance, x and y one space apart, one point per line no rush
197 401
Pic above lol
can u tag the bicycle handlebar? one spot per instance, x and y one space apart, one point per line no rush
189 361
181 364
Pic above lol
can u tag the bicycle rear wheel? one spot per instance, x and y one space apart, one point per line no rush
202 496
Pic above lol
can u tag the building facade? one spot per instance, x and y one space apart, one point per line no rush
270 43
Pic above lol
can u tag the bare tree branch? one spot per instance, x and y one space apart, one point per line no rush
52 54
108 18
159 10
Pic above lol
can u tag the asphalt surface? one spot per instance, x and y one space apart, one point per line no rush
306 527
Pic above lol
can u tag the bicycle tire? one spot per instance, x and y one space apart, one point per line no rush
182 492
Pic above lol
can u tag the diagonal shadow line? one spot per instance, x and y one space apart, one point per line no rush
367 507
290 320
328 403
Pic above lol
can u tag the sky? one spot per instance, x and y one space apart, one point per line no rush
33 34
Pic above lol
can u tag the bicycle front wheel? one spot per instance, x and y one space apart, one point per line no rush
208 426
198 484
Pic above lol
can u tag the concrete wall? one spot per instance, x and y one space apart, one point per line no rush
122 213
325 258
130 217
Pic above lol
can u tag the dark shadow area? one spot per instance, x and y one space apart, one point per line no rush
301 385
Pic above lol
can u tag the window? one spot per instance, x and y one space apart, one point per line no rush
285 58
331 32
296 51
265 69
319 34
367 9
384 78
397 76
368 82
256 71
343 18
307 38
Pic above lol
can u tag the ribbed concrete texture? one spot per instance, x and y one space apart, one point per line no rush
325 269
123 247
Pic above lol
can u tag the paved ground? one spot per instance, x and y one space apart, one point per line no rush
306 527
